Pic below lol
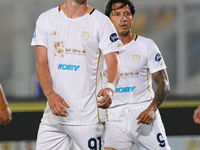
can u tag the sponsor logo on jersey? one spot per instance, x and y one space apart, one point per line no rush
125 74
129 74
34 36
72 50
119 45
125 89
114 37
136 58
158 57
85 35
58 47
59 50
54 33
68 67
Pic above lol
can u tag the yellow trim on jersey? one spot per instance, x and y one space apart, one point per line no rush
148 83
60 7
96 85
110 148
92 9
135 37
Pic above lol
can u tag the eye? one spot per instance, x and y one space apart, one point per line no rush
115 14
127 13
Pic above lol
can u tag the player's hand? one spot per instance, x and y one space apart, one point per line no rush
106 101
57 105
196 115
5 116
146 117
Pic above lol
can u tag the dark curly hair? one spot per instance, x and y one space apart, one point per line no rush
125 2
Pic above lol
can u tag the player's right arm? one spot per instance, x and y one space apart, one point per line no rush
55 101
196 115
162 82
5 112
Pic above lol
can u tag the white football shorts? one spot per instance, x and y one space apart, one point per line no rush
122 131
52 136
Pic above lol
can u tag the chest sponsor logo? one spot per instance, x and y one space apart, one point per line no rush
68 67
114 37
60 50
158 57
85 35
125 89
136 58
54 33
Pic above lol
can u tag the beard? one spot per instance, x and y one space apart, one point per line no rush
79 1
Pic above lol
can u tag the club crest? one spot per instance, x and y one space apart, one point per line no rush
136 58
85 35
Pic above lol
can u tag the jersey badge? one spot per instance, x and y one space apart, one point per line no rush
54 33
158 57
85 35
114 37
136 58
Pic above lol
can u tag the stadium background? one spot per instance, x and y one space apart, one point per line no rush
174 25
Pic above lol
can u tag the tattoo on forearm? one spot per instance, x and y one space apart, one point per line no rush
162 83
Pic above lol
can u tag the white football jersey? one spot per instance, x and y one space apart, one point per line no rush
75 56
141 58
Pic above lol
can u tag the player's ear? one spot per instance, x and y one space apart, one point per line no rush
132 19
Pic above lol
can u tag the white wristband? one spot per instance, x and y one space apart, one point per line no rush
111 86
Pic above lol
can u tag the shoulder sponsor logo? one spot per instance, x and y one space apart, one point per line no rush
54 33
125 89
68 67
136 58
85 35
34 36
158 57
114 37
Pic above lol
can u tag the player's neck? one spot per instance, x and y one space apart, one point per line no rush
126 39
74 10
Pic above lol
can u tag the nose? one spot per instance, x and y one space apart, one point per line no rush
122 17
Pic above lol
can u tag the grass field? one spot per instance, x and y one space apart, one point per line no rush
39 106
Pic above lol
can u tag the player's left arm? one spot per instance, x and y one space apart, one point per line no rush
163 87
112 62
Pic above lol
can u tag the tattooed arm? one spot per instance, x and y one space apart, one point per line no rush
161 93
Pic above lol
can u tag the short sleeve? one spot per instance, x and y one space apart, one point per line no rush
40 34
155 59
109 39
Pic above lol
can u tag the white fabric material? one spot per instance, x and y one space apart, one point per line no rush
54 136
141 58
75 55
122 131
